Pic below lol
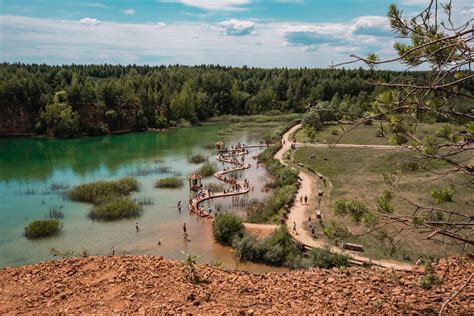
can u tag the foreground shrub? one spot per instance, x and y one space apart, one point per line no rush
276 249
101 191
207 170
197 159
43 228
226 226
325 258
171 182
117 208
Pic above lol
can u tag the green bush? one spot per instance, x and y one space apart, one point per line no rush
443 195
102 191
117 208
325 258
197 158
43 228
276 249
170 182
207 170
244 248
226 226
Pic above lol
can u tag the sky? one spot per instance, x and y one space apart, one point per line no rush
256 33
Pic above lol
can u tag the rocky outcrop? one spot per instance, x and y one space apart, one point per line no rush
156 285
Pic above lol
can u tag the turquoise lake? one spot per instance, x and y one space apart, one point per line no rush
31 168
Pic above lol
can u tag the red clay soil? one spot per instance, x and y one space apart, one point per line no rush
155 285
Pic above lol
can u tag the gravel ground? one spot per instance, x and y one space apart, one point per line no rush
154 285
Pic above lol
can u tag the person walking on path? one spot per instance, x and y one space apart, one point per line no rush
312 231
305 199
301 199
184 228
294 228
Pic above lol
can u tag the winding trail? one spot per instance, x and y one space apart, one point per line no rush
299 212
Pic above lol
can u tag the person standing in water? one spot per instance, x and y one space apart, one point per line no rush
137 227
179 206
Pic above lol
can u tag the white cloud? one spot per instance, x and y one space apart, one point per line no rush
235 27
97 5
161 24
89 21
371 25
214 5
128 11
468 12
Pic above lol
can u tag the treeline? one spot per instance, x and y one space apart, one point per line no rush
100 99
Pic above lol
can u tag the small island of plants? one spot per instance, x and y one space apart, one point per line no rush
110 198
170 182
197 159
207 170
117 208
101 191
42 228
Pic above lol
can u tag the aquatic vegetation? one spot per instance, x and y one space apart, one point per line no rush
209 146
55 187
170 182
147 170
101 191
42 228
122 207
144 201
197 159
54 213
207 170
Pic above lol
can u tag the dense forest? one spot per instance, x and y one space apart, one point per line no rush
99 99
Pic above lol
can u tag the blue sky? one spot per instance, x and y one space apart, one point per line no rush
263 33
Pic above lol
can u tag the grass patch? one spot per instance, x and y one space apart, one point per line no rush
207 170
170 182
102 191
118 208
197 159
42 228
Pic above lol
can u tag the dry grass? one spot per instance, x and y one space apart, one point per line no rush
356 173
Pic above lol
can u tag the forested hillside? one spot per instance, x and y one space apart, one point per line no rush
101 99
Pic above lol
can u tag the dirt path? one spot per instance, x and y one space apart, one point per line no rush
299 212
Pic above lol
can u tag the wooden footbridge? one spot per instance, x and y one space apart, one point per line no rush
239 187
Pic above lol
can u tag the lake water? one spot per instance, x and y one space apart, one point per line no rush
31 167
